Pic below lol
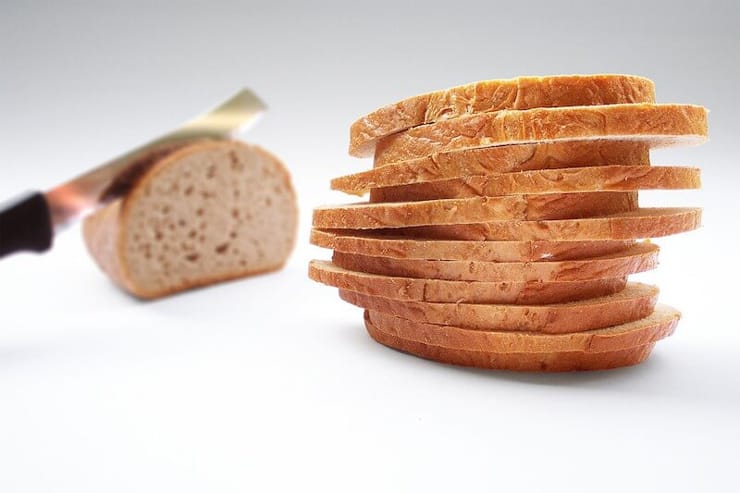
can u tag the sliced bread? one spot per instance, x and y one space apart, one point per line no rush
380 245
634 302
659 324
499 159
657 124
637 258
473 210
641 223
539 362
441 291
598 178
209 212
493 95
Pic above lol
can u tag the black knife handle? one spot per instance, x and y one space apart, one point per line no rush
25 224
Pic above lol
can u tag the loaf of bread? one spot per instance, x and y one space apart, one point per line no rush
494 95
503 220
208 212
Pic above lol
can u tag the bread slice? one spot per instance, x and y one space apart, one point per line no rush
493 95
593 350
634 302
209 212
641 223
379 245
540 362
599 178
441 291
473 210
657 124
637 258
659 324
499 159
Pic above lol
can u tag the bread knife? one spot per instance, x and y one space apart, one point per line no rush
30 221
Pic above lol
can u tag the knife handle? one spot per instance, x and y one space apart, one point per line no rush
25 224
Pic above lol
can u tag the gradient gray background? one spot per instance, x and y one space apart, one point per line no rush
227 389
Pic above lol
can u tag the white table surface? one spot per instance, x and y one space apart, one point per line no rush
271 383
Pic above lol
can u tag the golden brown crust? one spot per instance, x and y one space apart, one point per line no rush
540 362
638 258
634 302
660 125
442 291
499 159
642 223
473 210
599 178
493 95
383 245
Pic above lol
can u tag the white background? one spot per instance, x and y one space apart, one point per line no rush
271 384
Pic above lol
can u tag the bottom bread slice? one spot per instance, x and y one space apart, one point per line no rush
443 291
550 360
636 301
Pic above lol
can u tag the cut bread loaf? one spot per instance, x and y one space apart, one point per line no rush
442 291
493 95
599 178
641 223
540 362
634 302
659 324
638 258
499 159
208 212
379 245
473 210
657 124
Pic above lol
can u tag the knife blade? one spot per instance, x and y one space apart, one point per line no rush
30 222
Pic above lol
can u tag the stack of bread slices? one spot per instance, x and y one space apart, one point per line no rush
503 222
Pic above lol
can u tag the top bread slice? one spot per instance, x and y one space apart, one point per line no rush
208 212
659 125
494 95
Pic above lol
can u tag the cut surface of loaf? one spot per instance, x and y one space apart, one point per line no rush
493 95
498 159
540 362
209 212
658 325
641 223
442 291
601 178
659 125
380 245
473 210
637 258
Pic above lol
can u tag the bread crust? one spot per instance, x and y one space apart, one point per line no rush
384 245
498 159
634 302
105 230
641 223
534 362
660 125
637 258
444 291
473 210
594 179
493 95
